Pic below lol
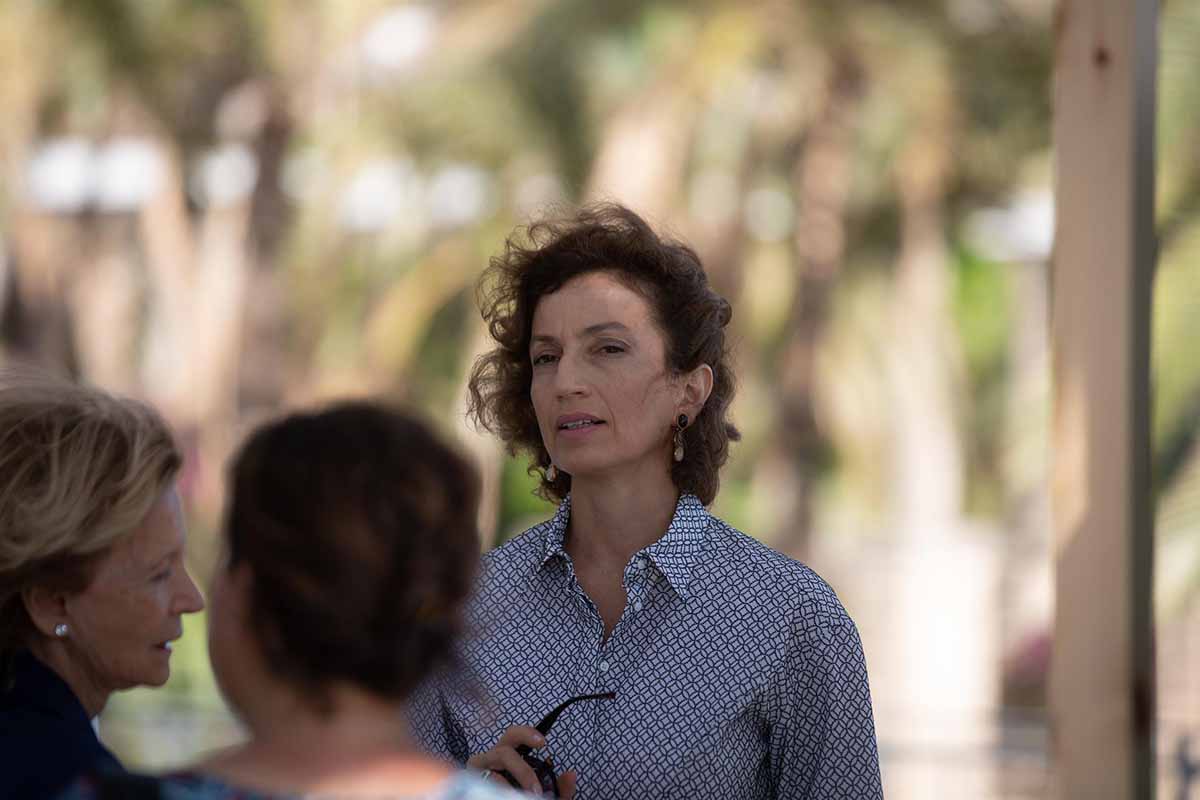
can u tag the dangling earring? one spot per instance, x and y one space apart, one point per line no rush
680 424
552 473
61 630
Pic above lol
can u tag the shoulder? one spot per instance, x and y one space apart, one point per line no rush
505 573
520 555
183 786
467 786
42 752
775 580
525 545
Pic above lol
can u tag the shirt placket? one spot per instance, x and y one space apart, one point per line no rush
636 581
590 617
609 666
591 716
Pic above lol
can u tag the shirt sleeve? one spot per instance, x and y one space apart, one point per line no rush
433 724
822 740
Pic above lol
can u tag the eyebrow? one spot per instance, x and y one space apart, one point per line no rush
162 560
590 330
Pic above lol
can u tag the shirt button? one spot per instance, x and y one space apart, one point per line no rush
604 666
637 605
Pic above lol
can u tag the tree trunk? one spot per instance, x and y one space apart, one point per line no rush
643 152
822 180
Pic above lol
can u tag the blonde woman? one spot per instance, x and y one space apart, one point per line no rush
92 576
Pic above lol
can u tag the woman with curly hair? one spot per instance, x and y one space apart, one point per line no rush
736 670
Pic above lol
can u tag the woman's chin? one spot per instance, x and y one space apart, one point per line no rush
149 677
158 673
157 680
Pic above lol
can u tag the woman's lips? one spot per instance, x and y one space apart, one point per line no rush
578 429
575 419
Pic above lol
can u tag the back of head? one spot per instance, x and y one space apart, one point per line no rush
79 469
359 528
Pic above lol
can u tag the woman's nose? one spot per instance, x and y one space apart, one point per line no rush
190 600
568 377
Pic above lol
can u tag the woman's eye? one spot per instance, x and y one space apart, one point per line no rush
612 349
544 358
159 577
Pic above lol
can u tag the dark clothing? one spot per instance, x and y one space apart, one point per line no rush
46 738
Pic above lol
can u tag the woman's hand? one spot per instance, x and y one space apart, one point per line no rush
566 784
504 756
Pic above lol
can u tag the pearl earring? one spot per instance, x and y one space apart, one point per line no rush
61 630
552 473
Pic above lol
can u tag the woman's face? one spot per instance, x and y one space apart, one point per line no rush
122 625
603 397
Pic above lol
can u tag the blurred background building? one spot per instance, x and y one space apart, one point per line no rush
236 206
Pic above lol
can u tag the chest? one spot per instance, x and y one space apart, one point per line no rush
689 675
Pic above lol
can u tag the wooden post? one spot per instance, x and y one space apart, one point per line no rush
1101 689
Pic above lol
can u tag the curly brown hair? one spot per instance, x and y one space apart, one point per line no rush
359 527
538 260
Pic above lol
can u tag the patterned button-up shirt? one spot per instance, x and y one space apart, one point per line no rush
737 671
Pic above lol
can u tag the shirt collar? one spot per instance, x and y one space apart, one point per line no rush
674 554
556 533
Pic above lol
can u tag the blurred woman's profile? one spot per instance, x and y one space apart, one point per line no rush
350 544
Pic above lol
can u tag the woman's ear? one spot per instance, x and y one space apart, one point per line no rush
243 581
697 386
46 607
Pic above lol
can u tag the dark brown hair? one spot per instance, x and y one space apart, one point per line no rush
359 528
539 260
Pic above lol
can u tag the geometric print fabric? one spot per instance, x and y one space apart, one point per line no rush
737 671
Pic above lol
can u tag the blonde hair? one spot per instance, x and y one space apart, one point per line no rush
79 469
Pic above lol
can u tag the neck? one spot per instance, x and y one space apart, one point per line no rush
613 519
357 722
54 654
362 743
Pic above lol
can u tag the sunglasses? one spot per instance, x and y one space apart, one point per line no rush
544 768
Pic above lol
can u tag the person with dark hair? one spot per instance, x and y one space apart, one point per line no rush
350 544
93 583
736 670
